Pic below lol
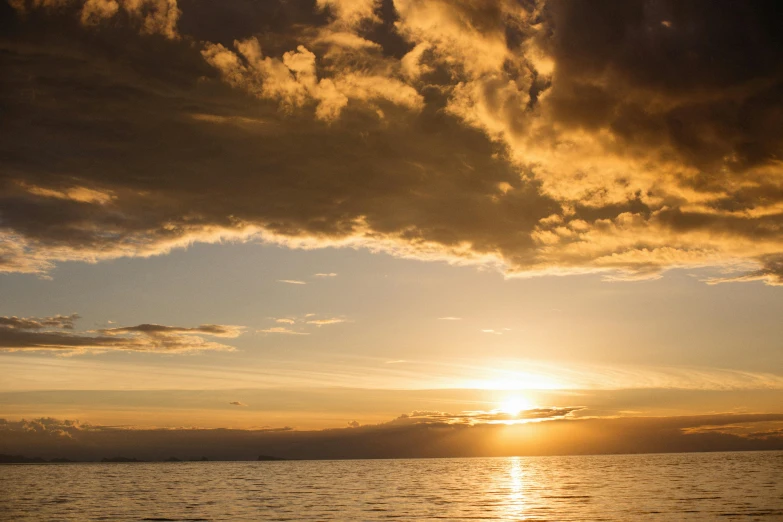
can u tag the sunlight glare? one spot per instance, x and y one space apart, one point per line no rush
515 404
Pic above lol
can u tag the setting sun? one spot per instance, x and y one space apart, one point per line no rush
516 404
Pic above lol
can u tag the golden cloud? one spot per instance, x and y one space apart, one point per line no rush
556 138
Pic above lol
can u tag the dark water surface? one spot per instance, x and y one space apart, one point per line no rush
688 486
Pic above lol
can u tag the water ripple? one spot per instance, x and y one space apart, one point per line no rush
725 486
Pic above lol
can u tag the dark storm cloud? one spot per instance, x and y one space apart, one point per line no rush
690 92
198 162
549 137
703 77
53 333
52 438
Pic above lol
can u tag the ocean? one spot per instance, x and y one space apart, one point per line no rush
686 486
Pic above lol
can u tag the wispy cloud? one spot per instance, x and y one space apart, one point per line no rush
325 322
281 330
450 318
330 274
216 330
292 281
496 331
237 403
39 323
56 334
307 320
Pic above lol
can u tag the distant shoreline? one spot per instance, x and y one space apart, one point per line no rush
22 460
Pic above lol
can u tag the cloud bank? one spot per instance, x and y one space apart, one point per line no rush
53 438
543 137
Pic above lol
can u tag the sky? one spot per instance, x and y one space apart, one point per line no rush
346 228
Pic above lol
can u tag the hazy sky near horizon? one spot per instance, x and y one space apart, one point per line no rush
314 214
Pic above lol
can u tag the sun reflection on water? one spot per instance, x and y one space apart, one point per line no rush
516 487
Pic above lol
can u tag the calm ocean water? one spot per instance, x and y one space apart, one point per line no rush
706 486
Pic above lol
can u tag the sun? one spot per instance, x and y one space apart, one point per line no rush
516 404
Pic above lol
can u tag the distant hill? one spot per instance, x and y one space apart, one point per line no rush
120 459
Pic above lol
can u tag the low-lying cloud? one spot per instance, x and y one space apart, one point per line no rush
53 438
485 417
